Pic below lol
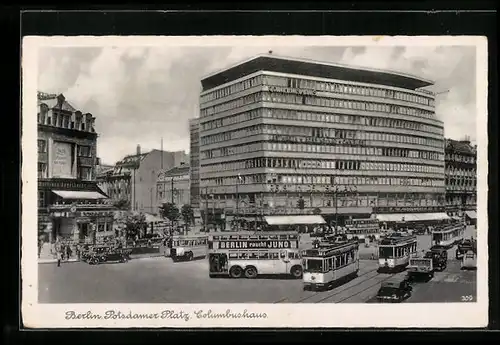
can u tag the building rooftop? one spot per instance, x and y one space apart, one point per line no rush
312 68
460 146
180 170
52 101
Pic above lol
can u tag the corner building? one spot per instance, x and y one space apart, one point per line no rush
349 141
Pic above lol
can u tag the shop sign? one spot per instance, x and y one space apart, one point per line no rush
292 90
409 209
96 214
58 184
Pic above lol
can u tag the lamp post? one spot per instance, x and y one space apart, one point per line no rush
236 216
206 208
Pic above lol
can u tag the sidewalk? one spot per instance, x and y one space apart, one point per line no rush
46 256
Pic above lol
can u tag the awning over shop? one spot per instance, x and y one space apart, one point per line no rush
292 220
411 217
471 214
88 195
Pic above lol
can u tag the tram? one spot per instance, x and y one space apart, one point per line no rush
449 235
328 264
395 252
362 229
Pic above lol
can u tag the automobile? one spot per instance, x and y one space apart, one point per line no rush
107 254
394 290
469 261
464 246
439 256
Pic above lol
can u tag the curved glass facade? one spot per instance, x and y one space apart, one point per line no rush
270 138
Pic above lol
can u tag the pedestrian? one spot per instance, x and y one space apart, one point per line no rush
40 246
78 251
69 252
59 252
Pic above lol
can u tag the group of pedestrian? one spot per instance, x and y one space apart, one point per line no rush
63 251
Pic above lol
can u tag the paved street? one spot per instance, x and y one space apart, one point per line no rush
159 280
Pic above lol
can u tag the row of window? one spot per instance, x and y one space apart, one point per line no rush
83 151
460 182
375 198
295 115
83 173
398 252
313 132
351 150
314 101
65 121
303 83
321 265
321 180
460 158
453 172
290 163
328 102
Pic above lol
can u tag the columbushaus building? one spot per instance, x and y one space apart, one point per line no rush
348 141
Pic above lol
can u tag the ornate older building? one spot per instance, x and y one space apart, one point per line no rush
70 204
349 141
461 178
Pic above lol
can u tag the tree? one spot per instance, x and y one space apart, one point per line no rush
187 214
132 223
317 210
170 211
122 204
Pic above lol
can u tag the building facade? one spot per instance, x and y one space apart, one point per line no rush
349 141
173 186
194 157
461 177
70 204
115 182
134 178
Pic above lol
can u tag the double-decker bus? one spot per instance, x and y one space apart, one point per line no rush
185 247
330 263
362 228
249 254
448 235
394 251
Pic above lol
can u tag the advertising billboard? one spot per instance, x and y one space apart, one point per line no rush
61 160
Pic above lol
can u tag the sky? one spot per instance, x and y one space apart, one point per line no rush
142 94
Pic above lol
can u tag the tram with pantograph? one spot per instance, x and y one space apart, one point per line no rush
448 235
362 229
249 254
328 264
395 250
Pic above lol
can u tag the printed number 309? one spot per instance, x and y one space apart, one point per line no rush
467 298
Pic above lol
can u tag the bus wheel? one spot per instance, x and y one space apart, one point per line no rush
250 272
296 272
189 256
235 272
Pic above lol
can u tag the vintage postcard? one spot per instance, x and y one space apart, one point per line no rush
254 182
